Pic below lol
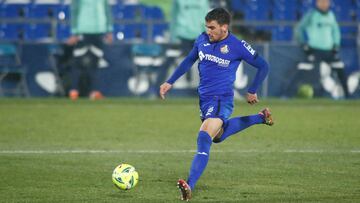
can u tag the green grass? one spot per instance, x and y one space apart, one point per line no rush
54 150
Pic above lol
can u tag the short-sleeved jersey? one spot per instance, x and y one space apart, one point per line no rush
218 62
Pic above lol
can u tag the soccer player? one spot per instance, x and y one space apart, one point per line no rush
319 34
220 54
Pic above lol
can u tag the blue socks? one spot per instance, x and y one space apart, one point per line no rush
237 124
201 158
204 142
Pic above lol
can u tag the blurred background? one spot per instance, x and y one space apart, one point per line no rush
36 56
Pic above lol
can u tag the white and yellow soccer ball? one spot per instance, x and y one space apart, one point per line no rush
125 176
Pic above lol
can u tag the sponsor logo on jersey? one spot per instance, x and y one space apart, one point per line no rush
207 44
248 47
224 49
209 111
221 62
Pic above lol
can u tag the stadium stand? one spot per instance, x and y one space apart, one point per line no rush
37 21
12 70
49 19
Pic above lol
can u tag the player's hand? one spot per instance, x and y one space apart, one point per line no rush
251 98
72 40
109 38
335 52
164 88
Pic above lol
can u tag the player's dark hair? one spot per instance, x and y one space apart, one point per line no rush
222 16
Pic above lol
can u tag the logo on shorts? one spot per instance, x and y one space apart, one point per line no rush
224 49
209 111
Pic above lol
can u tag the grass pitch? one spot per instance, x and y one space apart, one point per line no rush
61 151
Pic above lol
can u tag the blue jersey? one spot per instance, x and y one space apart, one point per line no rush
218 62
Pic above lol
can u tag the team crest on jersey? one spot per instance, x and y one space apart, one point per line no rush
224 49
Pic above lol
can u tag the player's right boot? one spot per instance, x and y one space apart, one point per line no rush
185 190
268 120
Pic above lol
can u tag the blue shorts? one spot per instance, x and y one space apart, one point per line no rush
216 107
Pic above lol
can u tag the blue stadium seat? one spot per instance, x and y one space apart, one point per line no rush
63 31
63 12
263 32
130 31
285 10
12 31
286 14
304 6
118 11
14 10
154 12
44 10
257 10
129 12
135 31
118 32
286 4
345 15
282 33
160 29
344 10
348 35
134 12
38 32
345 4
237 5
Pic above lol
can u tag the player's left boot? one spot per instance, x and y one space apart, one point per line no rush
185 190
268 120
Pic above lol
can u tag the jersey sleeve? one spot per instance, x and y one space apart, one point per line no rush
300 28
186 64
335 31
248 54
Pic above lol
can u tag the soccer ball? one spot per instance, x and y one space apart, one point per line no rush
305 91
125 177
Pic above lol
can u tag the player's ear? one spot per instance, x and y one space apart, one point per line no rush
224 27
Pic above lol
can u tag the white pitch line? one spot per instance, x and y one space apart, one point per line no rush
168 151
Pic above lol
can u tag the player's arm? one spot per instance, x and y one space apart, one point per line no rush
336 34
262 70
74 9
249 55
300 28
184 66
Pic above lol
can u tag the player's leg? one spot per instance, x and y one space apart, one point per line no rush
210 113
237 124
76 70
339 67
343 81
208 130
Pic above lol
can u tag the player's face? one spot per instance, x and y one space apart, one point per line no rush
323 5
215 31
